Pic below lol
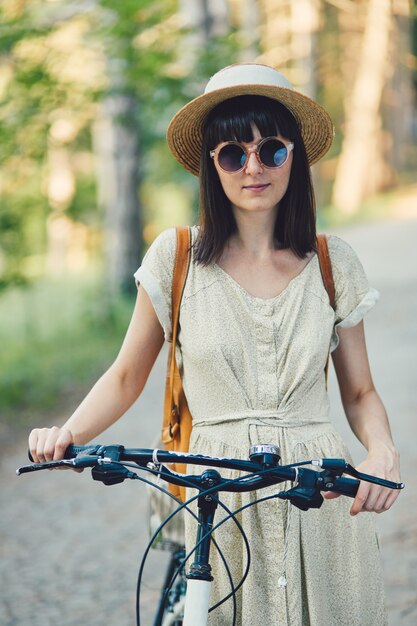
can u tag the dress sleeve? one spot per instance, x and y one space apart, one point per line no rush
155 276
353 295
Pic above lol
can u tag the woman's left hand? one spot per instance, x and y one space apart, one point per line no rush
374 498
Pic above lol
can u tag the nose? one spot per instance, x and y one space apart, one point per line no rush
253 164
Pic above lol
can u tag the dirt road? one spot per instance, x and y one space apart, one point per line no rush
70 547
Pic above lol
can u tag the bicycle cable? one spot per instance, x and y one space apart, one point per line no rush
180 508
234 589
231 515
186 507
168 519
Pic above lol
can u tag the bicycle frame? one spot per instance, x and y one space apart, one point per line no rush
197 600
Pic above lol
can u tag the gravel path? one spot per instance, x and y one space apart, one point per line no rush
70 547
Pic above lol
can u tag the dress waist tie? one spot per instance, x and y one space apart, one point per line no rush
281 417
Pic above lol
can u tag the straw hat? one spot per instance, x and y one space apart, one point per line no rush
185 132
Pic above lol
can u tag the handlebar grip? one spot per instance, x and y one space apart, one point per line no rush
345 486
72 451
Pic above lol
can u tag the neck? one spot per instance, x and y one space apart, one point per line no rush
255 233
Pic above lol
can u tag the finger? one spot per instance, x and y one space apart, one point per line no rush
381 501
389 501
331 495
64 440
375 496
360 499
49 445
33 443
392 497
40 445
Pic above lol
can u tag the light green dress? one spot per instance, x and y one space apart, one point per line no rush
253 372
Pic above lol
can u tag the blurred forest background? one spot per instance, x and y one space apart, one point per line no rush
87 88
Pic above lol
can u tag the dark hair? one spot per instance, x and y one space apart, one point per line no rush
295 226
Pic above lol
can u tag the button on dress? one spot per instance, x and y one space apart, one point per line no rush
253 372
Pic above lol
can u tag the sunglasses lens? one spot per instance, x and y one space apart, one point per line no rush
273 153
231 158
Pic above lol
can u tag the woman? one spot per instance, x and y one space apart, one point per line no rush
256 329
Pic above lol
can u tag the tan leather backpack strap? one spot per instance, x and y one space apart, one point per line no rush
181 266
326 267
325 264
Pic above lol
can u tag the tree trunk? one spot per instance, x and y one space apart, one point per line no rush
248 19
115 137
275 34
203 20
288 40
305 21
400 105
358 162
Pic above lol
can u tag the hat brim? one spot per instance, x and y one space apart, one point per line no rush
185 132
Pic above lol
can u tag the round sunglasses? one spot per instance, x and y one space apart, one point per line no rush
232 156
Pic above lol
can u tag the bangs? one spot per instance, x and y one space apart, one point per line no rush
234 119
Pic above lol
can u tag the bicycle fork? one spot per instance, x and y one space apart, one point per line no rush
199 577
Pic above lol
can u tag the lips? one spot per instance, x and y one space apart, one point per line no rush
256 187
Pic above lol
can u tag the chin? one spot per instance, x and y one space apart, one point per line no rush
262 208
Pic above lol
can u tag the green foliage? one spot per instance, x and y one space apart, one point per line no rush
132 46
57 338
31 95
83 205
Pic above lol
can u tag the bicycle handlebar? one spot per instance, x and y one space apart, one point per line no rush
143 456
107 463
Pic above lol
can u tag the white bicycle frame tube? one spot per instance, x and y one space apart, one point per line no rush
197 600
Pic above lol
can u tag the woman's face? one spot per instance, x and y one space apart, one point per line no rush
256 188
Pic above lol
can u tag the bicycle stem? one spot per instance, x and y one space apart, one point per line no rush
199 577
207 505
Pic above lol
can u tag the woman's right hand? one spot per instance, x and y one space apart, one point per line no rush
49 444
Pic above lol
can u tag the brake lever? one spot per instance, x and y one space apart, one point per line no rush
374 479
79 462
340 466
34 467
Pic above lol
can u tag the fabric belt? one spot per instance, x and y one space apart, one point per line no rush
282 419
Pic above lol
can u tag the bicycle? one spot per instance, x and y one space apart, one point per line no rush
185 597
